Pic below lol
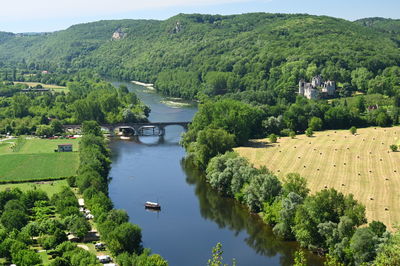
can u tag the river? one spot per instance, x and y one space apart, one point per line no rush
193 216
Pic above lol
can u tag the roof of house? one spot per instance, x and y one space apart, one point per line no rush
66 144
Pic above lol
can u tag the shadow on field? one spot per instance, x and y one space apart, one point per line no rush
259 144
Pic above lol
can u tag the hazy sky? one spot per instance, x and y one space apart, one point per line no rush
50 15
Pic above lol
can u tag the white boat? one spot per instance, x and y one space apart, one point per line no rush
152 205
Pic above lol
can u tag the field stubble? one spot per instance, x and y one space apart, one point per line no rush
360 164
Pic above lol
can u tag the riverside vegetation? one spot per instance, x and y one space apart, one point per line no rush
88 98
244 70
327 222
31 221
362 164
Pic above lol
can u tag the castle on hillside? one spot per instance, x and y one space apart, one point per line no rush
317 89
118 34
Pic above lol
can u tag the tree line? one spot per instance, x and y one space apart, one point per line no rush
43 113
327 222
223 123
123 238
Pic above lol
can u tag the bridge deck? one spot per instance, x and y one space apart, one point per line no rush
137 127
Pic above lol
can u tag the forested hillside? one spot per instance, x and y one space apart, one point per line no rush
215 54
384 24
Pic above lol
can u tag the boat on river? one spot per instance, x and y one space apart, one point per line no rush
152 205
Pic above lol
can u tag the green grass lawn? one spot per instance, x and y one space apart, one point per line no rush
46 145
42 165
5 146
36 145
50 187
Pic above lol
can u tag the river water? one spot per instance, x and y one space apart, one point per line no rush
193 216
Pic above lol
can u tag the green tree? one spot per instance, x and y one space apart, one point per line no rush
91 127
216 259
126 237
360 104
353 130
363 245
300 258
14 219
20 105
273 138
382 119
360 78
315 123
44 130
56 126
211 142
394 147
79 226
378 228
293 182
388 253
27 258
309 132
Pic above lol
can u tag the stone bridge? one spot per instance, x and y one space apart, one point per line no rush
137 129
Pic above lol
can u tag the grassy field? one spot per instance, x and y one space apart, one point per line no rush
46 86
32 166
359 164
36 159
50 187
36 145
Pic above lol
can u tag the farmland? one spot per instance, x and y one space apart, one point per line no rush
35 158
45 86
360 164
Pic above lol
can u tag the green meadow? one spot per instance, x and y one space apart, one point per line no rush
29 159
50 187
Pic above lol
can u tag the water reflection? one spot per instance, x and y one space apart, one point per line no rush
227 213
194 217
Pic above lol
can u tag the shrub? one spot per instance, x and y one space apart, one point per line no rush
394 147
273 138
309 132
353 130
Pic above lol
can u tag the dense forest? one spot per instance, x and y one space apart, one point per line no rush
188 54
85 98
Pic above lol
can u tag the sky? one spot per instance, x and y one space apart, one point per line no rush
51 15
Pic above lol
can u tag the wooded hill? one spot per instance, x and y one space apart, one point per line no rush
216 54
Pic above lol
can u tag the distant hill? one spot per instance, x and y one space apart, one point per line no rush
384 24
214 54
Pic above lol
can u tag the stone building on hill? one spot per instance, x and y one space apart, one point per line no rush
317 88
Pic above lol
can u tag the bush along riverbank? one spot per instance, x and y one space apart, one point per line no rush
327 222
122 238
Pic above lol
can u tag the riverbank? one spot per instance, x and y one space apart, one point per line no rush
360 164
149 86
193 214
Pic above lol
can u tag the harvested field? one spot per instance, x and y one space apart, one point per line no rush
360 164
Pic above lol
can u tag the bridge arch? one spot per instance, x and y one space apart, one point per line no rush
125 127
155 130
